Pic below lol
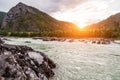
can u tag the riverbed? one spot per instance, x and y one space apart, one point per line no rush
78 61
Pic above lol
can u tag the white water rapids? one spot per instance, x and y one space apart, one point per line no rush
79 61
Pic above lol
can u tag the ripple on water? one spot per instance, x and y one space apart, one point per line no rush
76 61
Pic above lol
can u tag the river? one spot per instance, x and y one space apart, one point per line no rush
78 61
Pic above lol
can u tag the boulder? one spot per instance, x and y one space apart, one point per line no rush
27 41
24 63
71 40
6 39
1 42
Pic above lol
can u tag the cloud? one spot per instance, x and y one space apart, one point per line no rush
6 5
61 5
77 11
89 12
51 6
48 6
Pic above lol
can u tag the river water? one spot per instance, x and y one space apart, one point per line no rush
79 61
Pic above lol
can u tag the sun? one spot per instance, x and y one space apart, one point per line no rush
80 21
81 25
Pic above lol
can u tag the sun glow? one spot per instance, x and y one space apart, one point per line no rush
86 13
81 25
70 16
81 20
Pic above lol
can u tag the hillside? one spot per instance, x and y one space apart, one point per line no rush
113 22
28 19
109 27
2 14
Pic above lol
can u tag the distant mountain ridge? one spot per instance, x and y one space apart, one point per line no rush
108 28
112 22
2 15
27 18
23 20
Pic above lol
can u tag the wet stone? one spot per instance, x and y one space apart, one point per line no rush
24 63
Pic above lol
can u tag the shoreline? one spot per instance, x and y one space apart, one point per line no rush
62 37
70 40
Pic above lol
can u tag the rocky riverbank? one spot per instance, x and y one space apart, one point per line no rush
84 40
23 63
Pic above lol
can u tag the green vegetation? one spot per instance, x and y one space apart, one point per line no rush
108 28
100 33
4 33
29 19
30 22
34 23
39 34
105 33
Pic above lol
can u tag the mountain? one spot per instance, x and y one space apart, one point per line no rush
2 14
26 18
108 28
111 23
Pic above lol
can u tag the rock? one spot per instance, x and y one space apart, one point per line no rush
62 40
71 40
96 41
93 42
27 41
50 39
24 63
6 39
37 38
46 39
1 42
25 18
17 11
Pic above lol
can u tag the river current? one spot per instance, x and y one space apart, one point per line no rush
78 61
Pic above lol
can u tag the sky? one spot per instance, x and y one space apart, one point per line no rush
80 12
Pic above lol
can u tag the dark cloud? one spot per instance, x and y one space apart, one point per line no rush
61 5
49 6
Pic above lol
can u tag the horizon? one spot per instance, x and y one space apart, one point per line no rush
75 13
